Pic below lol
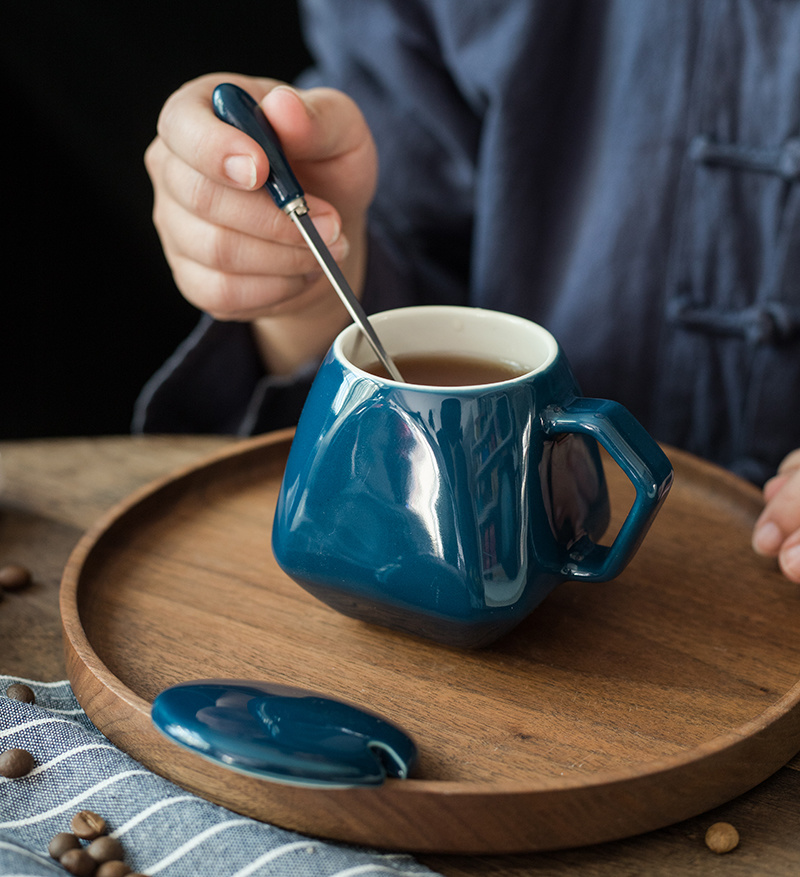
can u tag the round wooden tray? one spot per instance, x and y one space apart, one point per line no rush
613 710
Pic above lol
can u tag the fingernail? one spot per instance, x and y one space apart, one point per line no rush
767 539
241 169
790 563
287 89
340 249
328 228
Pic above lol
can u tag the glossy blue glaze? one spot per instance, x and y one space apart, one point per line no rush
236 107
452 512
282 733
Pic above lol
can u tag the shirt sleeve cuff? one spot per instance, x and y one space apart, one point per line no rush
215 383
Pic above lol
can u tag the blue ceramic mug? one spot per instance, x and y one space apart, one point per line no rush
451 512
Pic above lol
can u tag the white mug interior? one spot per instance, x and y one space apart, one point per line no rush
453 330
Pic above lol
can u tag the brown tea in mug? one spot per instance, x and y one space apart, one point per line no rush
449 369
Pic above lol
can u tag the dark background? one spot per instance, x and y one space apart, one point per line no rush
89 308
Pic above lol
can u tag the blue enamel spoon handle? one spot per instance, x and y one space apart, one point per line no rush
236 107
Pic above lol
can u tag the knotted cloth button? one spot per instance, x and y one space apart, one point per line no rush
772 322
783 161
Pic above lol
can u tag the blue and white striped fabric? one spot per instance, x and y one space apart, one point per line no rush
164 830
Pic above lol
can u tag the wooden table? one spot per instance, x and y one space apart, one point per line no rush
55 488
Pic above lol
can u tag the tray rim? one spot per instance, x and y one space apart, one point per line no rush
726 746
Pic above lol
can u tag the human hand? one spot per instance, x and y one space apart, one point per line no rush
777 530
232 252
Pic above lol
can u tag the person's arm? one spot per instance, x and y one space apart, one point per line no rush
236 257
777 531
270 313
217 382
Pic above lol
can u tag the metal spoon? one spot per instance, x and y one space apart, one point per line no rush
236 107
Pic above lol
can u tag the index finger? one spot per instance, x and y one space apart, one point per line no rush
189 128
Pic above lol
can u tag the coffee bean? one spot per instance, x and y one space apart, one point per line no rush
114 868
103 856
78 862
104 849
18 691
16 763
722 837
62 842
13 576
88 825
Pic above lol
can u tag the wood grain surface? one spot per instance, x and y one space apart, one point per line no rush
615 709
54 488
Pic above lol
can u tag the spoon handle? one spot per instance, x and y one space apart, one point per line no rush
236 107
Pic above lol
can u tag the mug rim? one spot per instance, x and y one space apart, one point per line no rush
351 335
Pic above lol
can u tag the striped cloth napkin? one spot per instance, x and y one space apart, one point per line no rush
164 830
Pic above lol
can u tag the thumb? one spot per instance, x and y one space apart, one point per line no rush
328 143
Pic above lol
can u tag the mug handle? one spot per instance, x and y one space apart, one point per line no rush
639 457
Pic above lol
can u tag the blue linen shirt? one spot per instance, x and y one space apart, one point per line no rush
624 172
